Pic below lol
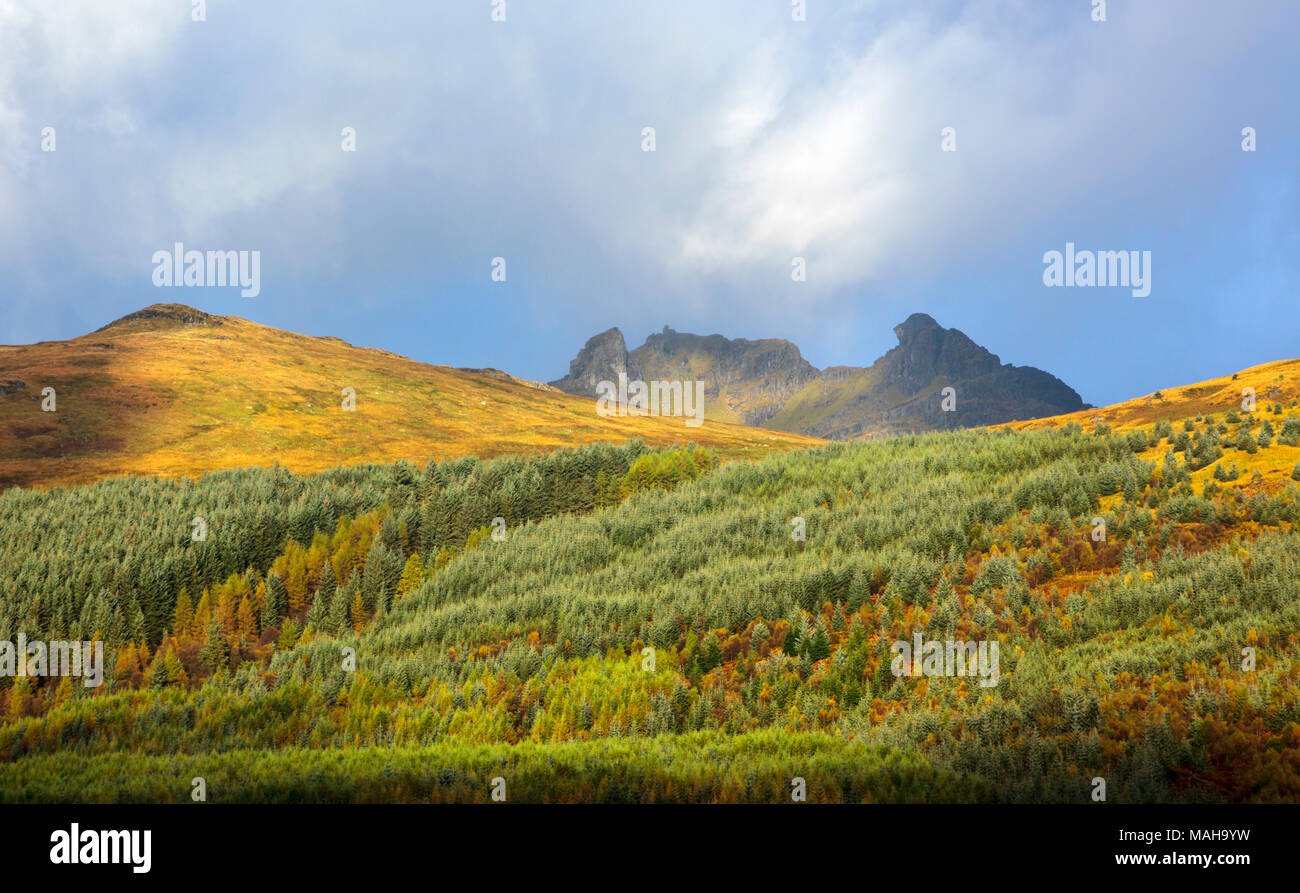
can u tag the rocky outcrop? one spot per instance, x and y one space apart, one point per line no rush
926 351
753 379
905 390
163 314
602 358
768 382
986 391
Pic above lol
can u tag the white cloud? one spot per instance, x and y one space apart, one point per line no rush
775 139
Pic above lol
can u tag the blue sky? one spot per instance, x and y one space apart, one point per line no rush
775 139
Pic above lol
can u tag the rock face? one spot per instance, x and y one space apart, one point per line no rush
927 350
769 383
905 390
744 380
602 358
747 381
164 314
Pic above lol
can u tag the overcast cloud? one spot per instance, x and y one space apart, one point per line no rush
775 139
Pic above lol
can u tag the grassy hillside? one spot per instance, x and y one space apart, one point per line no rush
650 629
1277 382
836 395
173 391
1276 389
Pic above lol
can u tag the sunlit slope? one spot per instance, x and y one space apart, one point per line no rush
173 391
1273 385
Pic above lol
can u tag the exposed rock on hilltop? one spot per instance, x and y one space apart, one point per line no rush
769 383
602 358
747 381
156 314
929 358
927 350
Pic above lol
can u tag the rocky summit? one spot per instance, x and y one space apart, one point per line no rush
769 383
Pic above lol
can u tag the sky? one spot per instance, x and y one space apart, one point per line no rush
774 139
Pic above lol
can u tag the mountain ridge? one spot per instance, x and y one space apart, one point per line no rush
767 382
175 391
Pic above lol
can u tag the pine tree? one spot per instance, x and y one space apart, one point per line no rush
886 620
819 644
341 603
712 655
1290 432
318 615
277 601
793 635
215 654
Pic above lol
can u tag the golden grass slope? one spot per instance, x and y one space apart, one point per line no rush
1272 383
173 391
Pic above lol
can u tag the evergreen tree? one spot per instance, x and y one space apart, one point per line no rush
318 615
277 601
712 656
215 654
819 644
794 635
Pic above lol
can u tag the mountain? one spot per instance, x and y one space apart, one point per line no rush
769 383
172 390
748 381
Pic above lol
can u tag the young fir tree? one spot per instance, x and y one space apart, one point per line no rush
338 616
328 582
819 643
794 635
318 615
215 654
277 601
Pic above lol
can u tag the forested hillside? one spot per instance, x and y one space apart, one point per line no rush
651 625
